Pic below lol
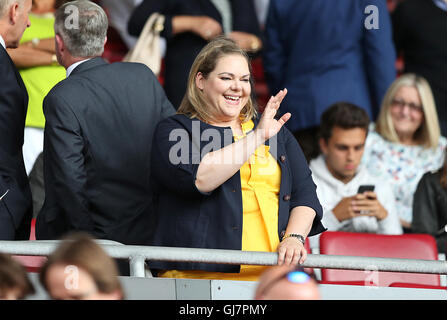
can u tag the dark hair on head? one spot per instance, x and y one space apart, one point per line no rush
13 276
344 115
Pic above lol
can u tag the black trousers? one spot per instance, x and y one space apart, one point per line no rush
37 185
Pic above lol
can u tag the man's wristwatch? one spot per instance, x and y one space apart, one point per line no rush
54 60
295 235
35 42
255 44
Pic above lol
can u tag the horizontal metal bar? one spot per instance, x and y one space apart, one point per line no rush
376 264
235 257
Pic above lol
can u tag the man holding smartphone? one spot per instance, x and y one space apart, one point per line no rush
352 199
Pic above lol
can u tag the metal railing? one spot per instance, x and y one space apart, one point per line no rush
137 255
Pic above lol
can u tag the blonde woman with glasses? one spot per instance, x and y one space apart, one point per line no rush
405 142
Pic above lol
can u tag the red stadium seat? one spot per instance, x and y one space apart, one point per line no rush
31 263
416 285
260 85
115 49
352 283
307 245
406 246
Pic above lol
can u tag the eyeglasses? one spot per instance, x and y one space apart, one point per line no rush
293 277
401 104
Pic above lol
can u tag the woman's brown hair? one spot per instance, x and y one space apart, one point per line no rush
13 277
194 104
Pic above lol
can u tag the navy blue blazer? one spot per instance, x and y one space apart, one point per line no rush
321 51
183 48
186 217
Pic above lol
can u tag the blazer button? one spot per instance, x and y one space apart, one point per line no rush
282 158
286 197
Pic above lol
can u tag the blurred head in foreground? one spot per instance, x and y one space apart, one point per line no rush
286 283
14 282
79 269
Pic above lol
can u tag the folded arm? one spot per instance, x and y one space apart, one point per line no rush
29 55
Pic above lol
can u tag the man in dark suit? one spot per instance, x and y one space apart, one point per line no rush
15 194
98 136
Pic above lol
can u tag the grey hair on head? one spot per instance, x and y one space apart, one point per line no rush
83 26
5 4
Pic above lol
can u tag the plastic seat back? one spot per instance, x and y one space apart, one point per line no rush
406 246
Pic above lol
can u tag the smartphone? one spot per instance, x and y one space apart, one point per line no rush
365 187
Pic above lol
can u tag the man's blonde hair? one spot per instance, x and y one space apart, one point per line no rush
429 132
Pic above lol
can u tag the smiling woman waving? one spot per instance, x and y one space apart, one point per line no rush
226 178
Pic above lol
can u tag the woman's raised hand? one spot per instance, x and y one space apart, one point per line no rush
268 126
